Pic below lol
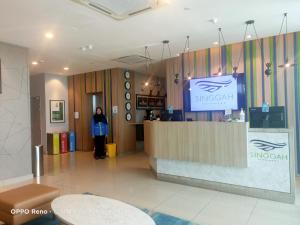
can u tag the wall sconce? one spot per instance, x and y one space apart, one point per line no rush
268 71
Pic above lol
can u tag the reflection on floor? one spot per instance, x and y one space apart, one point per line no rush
129 179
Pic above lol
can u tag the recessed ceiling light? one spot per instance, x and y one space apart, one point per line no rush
215 43
49 35
90 47
214 20
83 49
249 36
66 68
162 2
178 54
34 63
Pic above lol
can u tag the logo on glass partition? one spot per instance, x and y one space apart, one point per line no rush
266 145
212 86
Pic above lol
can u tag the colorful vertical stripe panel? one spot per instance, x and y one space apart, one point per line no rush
273 77
208 74
229 59
247 75
262 55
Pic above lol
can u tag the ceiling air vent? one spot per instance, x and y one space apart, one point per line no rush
132 59
120 9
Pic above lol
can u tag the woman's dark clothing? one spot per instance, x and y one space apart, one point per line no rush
100 118
100 147
99 132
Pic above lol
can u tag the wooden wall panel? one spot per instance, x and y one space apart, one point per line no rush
90 83
124 132
191 141
107 101
71 103
99 81
174 91
79 88
86 118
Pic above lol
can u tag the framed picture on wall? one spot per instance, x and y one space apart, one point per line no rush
141 101
150 102
57 111
160 102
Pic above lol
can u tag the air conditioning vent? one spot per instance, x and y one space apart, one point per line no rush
120 9
132 59
140 11
99 8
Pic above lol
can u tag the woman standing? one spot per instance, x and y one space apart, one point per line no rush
99 133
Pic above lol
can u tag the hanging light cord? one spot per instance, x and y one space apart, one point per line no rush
241 51
188 53
148 59
187 44
259 41
163 51
220 66
147 63
170 55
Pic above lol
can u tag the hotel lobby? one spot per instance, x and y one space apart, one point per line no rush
149 112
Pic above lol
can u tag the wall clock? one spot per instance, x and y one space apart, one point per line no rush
128 116
127 96
128 106
127 75
127 85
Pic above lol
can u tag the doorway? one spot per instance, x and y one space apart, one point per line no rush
96 101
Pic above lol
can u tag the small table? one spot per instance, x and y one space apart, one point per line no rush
79 209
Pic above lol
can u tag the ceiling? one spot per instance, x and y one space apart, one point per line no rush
24 23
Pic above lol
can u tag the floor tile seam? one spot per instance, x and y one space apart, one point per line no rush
204 207
160 203
252 212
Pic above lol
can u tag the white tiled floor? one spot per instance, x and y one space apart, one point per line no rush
129 179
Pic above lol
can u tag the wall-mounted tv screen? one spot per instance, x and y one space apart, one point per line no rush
215 93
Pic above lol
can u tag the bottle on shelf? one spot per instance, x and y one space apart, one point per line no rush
242 115
265 107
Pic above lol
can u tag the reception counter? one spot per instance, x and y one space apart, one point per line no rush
223 156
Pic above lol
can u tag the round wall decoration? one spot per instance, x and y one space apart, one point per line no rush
128 106
127 85
127 96
128 116
127 74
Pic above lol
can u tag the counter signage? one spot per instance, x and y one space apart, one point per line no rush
268 147
269 161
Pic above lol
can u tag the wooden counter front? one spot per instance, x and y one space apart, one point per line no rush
214 143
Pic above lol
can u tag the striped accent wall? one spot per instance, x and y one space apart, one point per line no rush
282 88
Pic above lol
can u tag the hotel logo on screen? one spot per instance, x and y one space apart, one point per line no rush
211 86
214 93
